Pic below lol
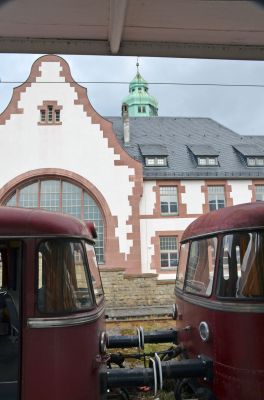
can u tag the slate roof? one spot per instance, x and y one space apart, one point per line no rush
176 134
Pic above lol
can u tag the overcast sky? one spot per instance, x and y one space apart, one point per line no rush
238 108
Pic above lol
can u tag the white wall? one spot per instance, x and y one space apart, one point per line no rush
240 191
193 196
148 199
77 145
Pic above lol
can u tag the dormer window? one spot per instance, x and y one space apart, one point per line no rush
154 155
156 161
207 161
251 154
50 113
204 155
255 161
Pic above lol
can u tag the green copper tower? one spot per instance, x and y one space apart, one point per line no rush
139 102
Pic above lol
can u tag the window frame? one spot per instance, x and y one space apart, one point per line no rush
255 161
216 197
155 160
207 160
48 113
168 251
169 213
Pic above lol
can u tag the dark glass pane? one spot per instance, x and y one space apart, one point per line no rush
164 207
212 205
173 259
173 207
164 261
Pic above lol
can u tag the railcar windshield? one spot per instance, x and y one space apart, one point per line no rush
196 266
241 265
63 278
200 267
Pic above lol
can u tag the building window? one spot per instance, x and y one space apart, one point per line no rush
141 109
168 252
62 196
57 115
207 161
168 200
216 197
50 113
156 161
259 192
42 115
255 161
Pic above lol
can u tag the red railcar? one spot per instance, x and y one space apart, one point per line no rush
220 299
51 307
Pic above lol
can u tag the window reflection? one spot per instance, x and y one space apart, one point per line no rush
182 265
201 265
95 274
63 283
241 265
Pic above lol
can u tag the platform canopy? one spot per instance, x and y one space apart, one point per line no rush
231 29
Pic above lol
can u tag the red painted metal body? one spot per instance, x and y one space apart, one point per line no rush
236 326
58 355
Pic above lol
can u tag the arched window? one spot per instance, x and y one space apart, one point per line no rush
61 196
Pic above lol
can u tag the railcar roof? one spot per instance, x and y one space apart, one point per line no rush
242 216
33 222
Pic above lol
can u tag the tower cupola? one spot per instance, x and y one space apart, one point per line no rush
139 102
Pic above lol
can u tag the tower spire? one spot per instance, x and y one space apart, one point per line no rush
137 64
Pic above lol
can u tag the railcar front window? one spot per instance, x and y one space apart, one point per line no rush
63 281
201 265
241 266
182 265
95 274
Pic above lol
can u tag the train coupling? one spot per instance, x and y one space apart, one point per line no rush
158 371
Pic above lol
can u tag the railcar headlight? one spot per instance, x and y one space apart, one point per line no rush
103 342
204 331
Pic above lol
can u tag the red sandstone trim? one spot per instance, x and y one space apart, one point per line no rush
12 107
